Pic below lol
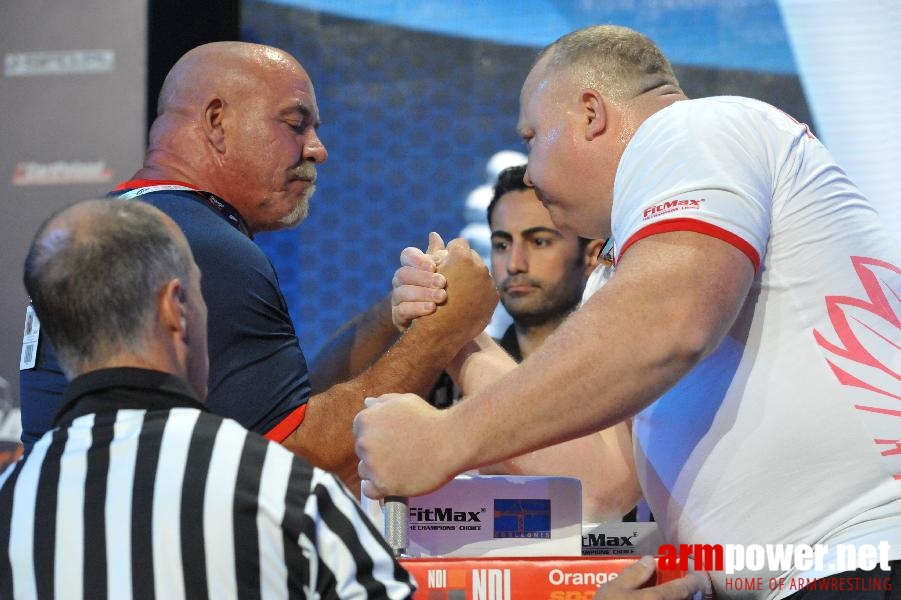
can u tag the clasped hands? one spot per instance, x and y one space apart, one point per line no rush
423 283
405 446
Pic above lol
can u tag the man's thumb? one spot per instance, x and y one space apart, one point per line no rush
435 243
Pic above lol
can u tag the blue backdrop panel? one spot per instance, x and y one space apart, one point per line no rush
410 119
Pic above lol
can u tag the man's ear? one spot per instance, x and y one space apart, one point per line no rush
592 255
213 129
595 111
172 310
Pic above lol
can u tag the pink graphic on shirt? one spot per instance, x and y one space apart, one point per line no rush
869 329
867 353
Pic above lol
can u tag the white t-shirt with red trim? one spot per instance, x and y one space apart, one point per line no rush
790 432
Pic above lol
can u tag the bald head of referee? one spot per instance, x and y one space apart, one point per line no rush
114 284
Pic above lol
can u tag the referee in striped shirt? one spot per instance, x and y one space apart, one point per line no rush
139 491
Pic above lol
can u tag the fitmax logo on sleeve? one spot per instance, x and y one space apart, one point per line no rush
670 206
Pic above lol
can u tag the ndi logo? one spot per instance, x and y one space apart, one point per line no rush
491 584
522 518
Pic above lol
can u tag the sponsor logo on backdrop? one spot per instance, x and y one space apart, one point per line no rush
71 62
61 172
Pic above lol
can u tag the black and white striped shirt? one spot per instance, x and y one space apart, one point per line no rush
139 492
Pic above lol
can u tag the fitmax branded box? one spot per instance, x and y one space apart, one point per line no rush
494 515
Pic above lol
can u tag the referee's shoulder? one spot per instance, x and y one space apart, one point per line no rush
253 440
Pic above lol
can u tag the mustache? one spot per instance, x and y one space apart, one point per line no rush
306 170
518 280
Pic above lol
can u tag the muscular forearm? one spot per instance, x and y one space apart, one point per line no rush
479 363
603 462
412 364
354 347
635 338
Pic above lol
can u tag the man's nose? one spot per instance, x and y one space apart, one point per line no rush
315 150
526 179
518 260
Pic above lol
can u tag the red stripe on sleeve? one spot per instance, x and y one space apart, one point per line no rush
288 425
697 227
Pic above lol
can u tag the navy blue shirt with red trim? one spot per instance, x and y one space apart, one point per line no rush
258 373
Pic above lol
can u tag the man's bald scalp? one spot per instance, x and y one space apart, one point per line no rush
218 65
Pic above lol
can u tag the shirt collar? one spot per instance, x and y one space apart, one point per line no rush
135 188
122 388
